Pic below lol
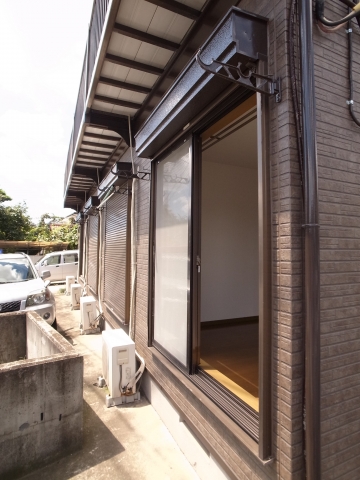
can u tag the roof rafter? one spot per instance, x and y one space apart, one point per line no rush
101 137
87 172
87 183
100 145
116 101
74 193
126 86
95 159
195 37
125 62
145 37
177 7
110 121
89 178
84 164
95 152
97 155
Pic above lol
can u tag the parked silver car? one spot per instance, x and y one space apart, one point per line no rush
22 288
59 264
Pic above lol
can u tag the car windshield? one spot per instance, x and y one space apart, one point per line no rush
15 270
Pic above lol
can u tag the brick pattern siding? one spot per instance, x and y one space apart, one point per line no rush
287 290
338 143
287 259
339 175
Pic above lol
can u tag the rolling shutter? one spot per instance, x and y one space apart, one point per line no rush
93 253
85 247
116 256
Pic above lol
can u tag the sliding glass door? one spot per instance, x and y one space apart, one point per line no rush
172 253
211 264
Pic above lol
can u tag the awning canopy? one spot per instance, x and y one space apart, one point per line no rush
135 51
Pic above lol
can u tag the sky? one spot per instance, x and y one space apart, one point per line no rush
42 46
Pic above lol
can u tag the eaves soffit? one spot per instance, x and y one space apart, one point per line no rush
179 101
132 44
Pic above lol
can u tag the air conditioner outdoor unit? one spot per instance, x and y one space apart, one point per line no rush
75 296
118 358
88 315
70 279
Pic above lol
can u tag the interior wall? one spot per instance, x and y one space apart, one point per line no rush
229 245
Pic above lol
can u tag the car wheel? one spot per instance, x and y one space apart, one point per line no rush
54 324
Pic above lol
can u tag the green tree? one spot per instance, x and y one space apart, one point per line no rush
67 233
42 231
46 219
15 222
3 196
45 231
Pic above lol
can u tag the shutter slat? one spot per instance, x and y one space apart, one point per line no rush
115 254
93 253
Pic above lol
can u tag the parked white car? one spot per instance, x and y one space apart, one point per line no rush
59 264
22 288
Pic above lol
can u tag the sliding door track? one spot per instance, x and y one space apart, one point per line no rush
243 415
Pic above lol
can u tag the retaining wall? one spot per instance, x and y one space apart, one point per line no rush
41 409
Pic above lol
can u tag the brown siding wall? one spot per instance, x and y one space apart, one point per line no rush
287 291
338 142
287 261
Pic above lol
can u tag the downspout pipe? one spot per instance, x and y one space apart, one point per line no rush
133 245
81 249
311 248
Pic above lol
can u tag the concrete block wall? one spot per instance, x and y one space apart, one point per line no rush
41 408
42 339
13 337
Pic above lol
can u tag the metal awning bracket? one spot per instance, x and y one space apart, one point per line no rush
124 170
245 74
130 176
143 175
123 190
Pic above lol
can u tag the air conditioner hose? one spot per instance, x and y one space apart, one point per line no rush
134 380
319 10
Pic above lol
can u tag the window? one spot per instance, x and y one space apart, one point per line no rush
70 258
52 260
210 311
172 265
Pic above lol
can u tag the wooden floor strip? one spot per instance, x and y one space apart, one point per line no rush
230 385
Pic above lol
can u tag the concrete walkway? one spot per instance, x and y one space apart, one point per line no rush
125 442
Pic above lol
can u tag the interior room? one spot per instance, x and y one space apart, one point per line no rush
229 253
